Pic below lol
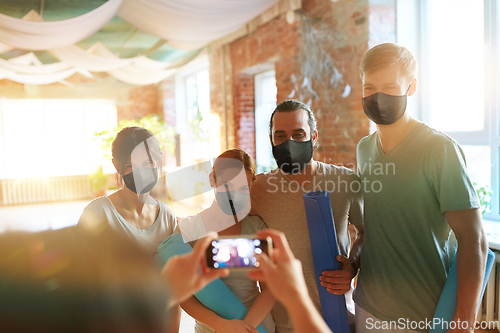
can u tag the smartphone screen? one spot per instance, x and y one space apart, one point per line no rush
236 252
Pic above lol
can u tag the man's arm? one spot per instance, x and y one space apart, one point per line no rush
339 282
471 261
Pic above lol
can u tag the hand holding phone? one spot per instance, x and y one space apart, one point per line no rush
237 252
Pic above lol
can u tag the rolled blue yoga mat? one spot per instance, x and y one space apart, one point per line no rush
448 300
216 295
325 250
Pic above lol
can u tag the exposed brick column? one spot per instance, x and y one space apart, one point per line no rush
167 88
245 113
142 101
221 98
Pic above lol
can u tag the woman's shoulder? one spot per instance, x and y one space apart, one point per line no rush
166 209
100 207
96 210
101 202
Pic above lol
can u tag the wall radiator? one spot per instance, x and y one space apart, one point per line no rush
37 190
490 305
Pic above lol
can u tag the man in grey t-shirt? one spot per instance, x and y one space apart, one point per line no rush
277 198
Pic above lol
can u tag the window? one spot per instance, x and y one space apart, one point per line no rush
193 121
456 45
52 137
265 103
199 133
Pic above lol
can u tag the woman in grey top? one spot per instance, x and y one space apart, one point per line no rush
137 158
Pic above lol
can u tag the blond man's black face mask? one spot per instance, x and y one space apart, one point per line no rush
384 109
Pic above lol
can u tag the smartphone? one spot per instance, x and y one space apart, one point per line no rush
237 252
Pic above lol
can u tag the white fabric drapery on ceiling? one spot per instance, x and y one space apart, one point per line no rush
33 35
185 24
78 57
190 24
39 79
29 64
139 70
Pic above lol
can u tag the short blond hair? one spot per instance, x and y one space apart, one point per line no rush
386 55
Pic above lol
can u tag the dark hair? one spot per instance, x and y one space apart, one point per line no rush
292 105
129 138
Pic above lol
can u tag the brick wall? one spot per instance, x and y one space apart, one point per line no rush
272 46
131 102
141 101
333 33
244 116
221 97
167 89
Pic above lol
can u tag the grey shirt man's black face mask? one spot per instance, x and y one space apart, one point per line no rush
293 156
384 109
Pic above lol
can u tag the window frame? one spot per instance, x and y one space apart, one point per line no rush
258 95
200 64
412 31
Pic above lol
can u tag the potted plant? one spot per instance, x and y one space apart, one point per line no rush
99 181
484 193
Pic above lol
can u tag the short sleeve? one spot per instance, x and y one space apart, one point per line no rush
192 228
171 219
254 224
447 172
90 218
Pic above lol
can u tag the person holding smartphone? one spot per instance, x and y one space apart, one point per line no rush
80 279
232 175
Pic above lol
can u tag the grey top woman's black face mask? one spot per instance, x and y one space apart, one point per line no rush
293 156
384 109
141 180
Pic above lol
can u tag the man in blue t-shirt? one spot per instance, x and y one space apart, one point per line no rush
417 198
